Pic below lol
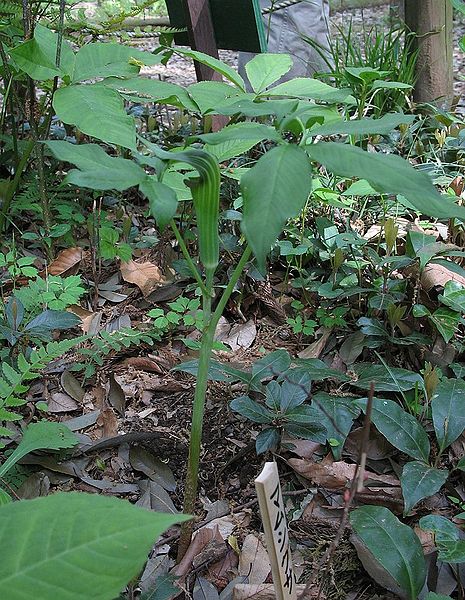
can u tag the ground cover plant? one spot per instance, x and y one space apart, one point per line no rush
295 277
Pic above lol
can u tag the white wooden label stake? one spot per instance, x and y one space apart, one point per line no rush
270 500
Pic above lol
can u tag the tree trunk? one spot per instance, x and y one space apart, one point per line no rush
431 20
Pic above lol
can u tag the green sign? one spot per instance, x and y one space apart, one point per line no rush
238 24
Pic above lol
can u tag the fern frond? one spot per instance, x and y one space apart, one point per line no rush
13 378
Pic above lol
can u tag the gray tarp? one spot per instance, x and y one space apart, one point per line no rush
284 30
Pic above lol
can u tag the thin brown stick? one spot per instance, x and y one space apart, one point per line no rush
349 495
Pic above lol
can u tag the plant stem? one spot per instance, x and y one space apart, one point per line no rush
190 262
210 321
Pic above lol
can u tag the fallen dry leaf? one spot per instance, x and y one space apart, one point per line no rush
108 422
202 538
147 276
338 475
254 561
65 263
315 349
241 335
438 275
144 364
61 403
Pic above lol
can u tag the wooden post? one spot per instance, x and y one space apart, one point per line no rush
431 20
201 35
270 500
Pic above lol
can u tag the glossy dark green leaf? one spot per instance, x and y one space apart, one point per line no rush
446 321
252 410
444 530
53 319
268 439
271 365
337 415
394 545
295 389
447 407
273 396
386 379
274 190
420 481
400 428
318 370
304 421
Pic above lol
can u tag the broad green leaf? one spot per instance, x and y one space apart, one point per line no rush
272 364
337 415
443 529
97 111
295 389
208 94
318 370
230 149
217 65
97 170
265 69
52 319
268 439
107 59
454 296
72 546
144 90
37 57
420 481
367 126
254 132
452 552
386 379
273 397
163 201
446 321
400 428
388 174
274 190
379 84
393 545
459 5
433 596
43 435
303 87
252 410
447 407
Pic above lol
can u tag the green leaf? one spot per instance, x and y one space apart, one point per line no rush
107 59
303 87
443 529
268 439
265 69
318 370
447 411
400 428
163 201
393 545
52 319
368 126
388 174
433 596
74 546
459 5
253 132
144 90
337 415
97 111
274 190
37 57
295 389
420 481
386 379
272 364
208 94
454 296
217 65
305 422
252 410
41 436
97 170
446 321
